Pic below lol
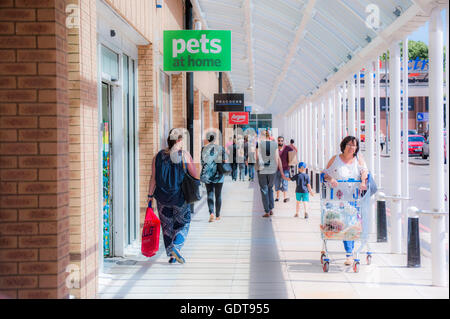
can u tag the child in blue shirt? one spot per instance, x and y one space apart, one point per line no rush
303 189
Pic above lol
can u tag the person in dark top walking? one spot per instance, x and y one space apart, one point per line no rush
280 184
232 154
302 190
211 176
249 156
165 186
268 164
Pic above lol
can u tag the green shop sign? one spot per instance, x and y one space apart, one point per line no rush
197 50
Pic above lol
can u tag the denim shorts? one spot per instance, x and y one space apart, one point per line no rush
302 197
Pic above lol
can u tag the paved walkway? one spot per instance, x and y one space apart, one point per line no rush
246 256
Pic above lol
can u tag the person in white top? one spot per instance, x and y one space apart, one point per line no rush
343 166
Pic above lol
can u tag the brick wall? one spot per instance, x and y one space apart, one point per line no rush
34 188
179 100
83 149
148 144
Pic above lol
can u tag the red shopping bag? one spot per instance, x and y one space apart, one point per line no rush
150 233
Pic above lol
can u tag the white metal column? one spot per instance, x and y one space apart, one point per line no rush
329 151
321 153
310 135
314 137
337 117
344 110
369 140
351 110
405 169
396 226
378 123
437 184
447 122
358 106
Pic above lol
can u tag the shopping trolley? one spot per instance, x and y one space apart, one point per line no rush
344 216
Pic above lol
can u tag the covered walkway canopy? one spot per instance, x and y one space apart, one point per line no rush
287 50
300 60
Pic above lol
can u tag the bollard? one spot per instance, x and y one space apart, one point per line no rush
413 242
317 183
381 222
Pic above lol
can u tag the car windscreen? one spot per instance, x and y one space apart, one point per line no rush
416 139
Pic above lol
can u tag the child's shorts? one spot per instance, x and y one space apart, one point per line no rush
302 197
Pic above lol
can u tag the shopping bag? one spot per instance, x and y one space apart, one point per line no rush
292 158
150 233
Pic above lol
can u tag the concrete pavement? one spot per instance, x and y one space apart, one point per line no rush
246 256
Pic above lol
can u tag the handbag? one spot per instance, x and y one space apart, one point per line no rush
373 188
190 187
150 233
223 168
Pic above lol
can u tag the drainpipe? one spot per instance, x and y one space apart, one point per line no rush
396 225
220 113
189 84
437 185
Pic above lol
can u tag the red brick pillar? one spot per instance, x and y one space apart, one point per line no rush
148 124
34 219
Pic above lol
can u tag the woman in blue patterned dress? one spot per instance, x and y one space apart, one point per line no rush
165 186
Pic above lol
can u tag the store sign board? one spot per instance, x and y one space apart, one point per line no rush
228 102
197 50
238 118
422 117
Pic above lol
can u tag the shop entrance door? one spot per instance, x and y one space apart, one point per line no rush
106 129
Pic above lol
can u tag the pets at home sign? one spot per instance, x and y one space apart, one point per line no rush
197 50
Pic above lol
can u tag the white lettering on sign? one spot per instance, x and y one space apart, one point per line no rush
238 118
175 49
192 46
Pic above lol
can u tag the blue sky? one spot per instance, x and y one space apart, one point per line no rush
421 34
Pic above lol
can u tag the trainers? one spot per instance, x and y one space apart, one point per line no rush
276 199
172 260
266 215
271 213
296 215
176 254
306 215
218 218
286 200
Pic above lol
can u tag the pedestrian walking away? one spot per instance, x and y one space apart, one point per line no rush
280 183
303 189
250 158
165 186
212 154
345 166
293 158
232 155
268 164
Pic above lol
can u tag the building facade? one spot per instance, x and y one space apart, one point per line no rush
84 106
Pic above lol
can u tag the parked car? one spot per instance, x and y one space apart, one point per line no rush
426 149
415 143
